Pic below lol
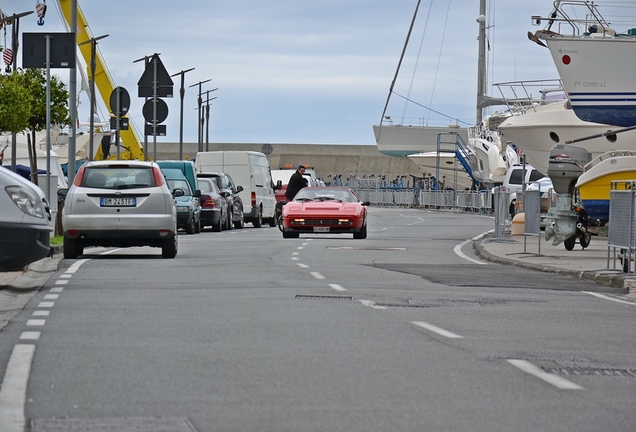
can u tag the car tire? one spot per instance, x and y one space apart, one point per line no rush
217 227
272 222
197 227
72 248
240 224
287 234
229 224
569 243
189 228
362 234
169 246
258 222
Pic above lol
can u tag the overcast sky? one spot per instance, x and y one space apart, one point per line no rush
308 71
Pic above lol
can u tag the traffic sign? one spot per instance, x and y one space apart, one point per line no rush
123 123
61 50
124 101
147 82
161 130
162 110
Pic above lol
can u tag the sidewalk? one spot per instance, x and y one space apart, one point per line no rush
590 263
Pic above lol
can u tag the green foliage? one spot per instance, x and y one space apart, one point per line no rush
15 103
34 80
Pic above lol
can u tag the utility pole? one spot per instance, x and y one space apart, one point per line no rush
199 115
207 118
181 95
93 42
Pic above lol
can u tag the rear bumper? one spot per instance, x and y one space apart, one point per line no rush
210 217
121 238
22 244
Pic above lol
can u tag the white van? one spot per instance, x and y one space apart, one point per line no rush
250 170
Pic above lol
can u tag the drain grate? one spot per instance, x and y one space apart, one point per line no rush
606 372
123 424
322 297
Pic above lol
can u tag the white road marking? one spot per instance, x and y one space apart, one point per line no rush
61 282
46 304
65 275
14 387
56 289
51 296
30 335
304 244
438 330
458 251
317 275
295 253
552 379
371 304
295 258
300 247
337 287
604 297
301 265
41 313
35 322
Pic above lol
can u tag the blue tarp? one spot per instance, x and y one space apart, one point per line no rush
24 170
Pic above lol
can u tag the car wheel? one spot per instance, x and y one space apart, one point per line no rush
272 222
290 234
240 224
216 227
258 222
169 246
72 248
229 220
197 227
362 234
189 229
569 243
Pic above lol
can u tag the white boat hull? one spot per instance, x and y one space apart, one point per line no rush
445 166
399 140
536 132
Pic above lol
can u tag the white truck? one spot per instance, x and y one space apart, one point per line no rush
513 182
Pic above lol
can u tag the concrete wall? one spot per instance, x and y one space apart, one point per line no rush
327 160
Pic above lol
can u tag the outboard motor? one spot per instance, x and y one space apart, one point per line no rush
565 165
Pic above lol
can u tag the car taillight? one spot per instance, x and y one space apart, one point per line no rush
158 176
79 176
253 199
208 203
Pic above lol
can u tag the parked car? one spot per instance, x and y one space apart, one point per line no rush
121 204
188 204
25 222
213 206
318 210
232 196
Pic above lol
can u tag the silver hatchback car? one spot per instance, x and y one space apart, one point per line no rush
121 204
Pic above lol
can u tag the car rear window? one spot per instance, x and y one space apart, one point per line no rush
118 177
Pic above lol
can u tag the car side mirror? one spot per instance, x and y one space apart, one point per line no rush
62 193
225 194
366 203
178 192
239 189
197 193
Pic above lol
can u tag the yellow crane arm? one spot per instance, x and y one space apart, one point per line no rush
103 81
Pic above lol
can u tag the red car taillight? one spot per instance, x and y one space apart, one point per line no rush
79 176
208 203
158 176
253 199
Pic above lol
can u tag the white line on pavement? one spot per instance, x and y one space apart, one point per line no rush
552 379
435 329
604 297
458 251
317 275
46 304
371 304
301 265
30 335
14 387
337 287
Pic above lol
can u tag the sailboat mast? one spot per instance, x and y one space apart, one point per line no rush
481 62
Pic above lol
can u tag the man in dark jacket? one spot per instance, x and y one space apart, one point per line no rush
296 182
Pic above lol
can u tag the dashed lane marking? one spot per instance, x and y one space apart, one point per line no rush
301 265
535 371
317 275
337 287
14 387
435 329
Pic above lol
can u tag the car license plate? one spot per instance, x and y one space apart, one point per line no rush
118 202
321 229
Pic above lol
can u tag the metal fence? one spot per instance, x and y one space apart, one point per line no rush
622 229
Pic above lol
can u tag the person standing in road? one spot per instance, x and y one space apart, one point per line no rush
296 182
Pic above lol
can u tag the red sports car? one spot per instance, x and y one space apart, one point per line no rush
319 210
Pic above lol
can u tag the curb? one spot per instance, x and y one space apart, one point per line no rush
609 277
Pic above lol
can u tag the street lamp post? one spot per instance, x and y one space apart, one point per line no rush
199 115
181 95
207 119
93 42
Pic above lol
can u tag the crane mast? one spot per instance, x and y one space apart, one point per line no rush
103 81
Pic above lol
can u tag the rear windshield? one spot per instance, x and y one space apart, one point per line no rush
119 177
180 184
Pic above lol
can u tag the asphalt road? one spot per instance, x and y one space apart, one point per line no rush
246 331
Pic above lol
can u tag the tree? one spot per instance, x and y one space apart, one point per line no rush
34 81
15 104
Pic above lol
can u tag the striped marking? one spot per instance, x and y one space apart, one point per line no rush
317 275
437 330
337 287
14 387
